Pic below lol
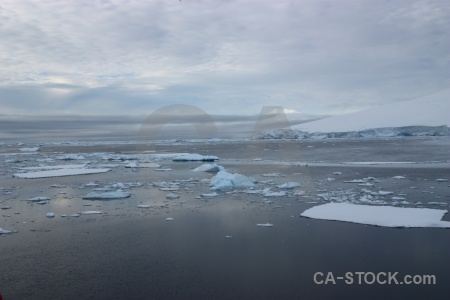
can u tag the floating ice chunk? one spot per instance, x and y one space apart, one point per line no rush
91 184
330 179
442 180
36 199
265 225
298 193
378 215
355 181
33 149
172 196
91 212
228 236
209 195
6 207
50 215
384 193
169 189
399 177
107 195
366 184
268 193
143 206
169 219
289 185
77 166
163 169
58 186
59 172
224 180
398 198
195 157
136 164
337 173
41 202
118 185
70 216
209 168
71 157
271 175
4 231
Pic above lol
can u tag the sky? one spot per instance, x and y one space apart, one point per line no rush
92 57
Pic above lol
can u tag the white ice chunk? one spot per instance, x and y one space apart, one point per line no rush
265 225
384 193
169 219
387 216
36 199
172 196
209 168
70 216
107 195
50 215
59 172
33 149
4 231
224 180
77 166
398 198
288 185
209 195
399 177
442 180
268 193
195 157
91 212
136 164
143 206
337 173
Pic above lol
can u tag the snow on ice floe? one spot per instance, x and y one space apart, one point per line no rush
289 185
195 157
209 168
386 216
59 173
226 180
107 195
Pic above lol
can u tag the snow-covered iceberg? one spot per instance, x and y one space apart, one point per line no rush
426 116
225 180
387 216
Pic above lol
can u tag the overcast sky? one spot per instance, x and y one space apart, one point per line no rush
224 57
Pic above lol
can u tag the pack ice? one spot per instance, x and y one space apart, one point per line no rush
387 216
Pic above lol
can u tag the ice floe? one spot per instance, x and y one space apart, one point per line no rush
4 231
91 212
59 173
50 215
288 185
209 168
264 225
32 149
70 216
195 157
169 219
387 216
56 167
107 195
136 164
36 199
172 196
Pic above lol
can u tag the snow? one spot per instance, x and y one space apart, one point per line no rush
209 168
195 157
224 180
59 173
107 195
387 216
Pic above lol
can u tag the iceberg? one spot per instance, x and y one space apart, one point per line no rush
107 195
387 216
225 180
